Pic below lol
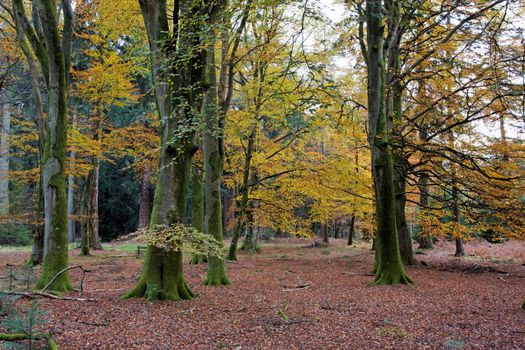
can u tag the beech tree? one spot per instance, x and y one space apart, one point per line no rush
51 48
176 71
388 267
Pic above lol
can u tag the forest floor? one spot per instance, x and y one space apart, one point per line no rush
291 296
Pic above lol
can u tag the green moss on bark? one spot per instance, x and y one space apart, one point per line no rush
161 278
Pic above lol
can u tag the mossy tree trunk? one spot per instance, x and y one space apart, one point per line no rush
54 157
162 273
197 209
213 151
394 117
389 267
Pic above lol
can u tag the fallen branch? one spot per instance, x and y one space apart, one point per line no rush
103 324
64 270
297 287
48 295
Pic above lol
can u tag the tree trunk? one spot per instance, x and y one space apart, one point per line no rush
162 276
54 159
425 241
460 249
197 209
250 243
71 197
4 154
145 199
92 206
71 205
325 234
405 241
213 157
243 202
351 231
389 266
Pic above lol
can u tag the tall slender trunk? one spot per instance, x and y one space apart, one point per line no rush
389 268
325 233
145 199
213 156
243 202
71 195
425 240
4 154
460 249
351 231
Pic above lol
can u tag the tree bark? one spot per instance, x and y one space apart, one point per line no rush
389 268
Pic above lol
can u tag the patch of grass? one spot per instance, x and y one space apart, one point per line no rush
326 252
127 247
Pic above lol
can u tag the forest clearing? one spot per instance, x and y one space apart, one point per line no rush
262 174
295 296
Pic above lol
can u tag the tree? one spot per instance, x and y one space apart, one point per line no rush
51 49
176 72
389 268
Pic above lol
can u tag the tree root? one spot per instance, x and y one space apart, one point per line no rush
388 278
